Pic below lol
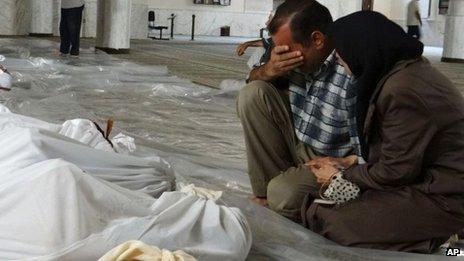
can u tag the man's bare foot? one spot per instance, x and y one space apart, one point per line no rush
259 201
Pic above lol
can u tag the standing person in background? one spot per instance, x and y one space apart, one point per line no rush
70 26
414 21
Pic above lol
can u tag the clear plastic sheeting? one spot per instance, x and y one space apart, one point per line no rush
192 127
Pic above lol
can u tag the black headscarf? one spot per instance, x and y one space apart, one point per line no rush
371 45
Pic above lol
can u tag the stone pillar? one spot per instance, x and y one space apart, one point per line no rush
139 19
14 17
453 47
113 25
41 17
89 19
56 17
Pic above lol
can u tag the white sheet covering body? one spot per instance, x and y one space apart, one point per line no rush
62 198
52 210
86 132
25 141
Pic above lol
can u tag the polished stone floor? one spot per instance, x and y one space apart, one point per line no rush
209 63
205 62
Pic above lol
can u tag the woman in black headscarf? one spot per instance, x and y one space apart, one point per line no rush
411 126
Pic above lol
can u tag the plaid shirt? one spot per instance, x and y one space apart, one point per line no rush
323 111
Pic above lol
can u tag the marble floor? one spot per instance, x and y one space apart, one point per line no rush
206 61
454 71
210 60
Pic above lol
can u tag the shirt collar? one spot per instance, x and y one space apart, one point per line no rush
329 61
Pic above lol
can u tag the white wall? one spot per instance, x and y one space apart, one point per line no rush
340 8
398 9
236 6
433 27
245 17
384 7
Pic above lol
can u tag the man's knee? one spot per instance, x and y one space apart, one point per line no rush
284 197
252 94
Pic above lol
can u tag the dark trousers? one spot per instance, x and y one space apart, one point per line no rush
414 31
397 220
70 30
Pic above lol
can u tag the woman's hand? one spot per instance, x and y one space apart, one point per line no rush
342 163
325 168
324 173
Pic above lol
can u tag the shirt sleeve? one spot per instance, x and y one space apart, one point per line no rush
416 6
405 133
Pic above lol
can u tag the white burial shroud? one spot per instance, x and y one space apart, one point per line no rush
26 140
63 200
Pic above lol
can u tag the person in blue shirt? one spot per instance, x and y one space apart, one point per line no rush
287 127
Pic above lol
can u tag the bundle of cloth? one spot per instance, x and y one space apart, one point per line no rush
66 194
5 78
26 140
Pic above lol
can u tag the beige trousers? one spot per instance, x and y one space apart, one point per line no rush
275 157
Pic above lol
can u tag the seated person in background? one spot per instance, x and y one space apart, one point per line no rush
411 118
241 48
264 42
5 79
284 129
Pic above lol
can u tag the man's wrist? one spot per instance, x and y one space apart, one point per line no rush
265 73
261 73
351 160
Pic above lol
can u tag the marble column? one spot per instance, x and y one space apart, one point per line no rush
453 47
113 25
139 19
56 17
89 21
14 17
41 17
